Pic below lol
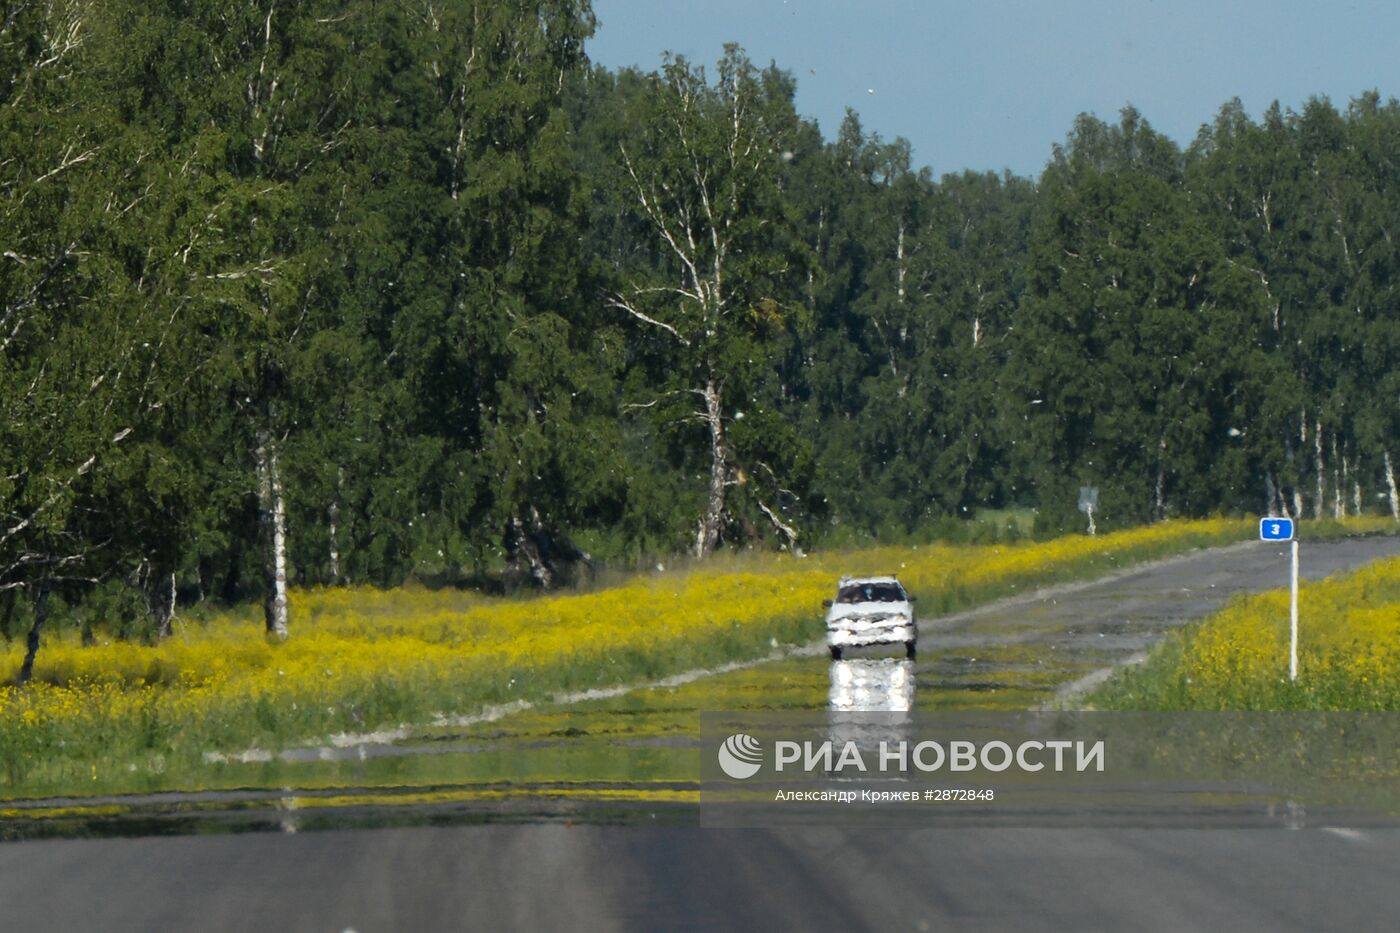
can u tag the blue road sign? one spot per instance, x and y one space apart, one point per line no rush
1275 529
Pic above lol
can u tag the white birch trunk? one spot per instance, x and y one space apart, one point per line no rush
1394 493
707 536
1339 508
333 515
1295 459
525 550
273 508
163 605
899 256
784 529
1159 501
1321 473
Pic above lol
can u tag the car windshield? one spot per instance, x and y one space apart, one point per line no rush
871 593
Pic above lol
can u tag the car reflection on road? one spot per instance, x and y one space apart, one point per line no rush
872 685
870 700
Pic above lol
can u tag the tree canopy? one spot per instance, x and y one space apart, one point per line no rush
315 293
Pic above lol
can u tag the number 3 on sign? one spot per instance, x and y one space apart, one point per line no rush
1275 529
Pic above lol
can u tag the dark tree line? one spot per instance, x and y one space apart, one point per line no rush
302 291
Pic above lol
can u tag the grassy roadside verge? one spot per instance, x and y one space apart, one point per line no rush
1348 653
122 717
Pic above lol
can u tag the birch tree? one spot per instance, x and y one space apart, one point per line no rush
492 336
75 345
1135 351
702 168
253 105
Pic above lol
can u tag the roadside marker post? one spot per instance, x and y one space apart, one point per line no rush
1282 529
1293 618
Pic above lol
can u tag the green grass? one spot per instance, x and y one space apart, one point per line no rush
162 750
1237 659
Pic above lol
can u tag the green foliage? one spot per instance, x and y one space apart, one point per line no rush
502 313
699 173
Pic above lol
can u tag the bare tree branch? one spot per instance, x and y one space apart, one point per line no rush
624 305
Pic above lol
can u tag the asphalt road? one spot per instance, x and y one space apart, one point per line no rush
1075 634
666 873
585 877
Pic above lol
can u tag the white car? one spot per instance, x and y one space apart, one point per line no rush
870 611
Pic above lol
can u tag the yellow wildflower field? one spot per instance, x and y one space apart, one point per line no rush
1348 652
360 659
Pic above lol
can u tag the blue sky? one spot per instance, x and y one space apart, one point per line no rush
992 84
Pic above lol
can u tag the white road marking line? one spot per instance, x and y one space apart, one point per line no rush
1351 835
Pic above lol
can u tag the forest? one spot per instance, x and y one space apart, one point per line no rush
319 292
